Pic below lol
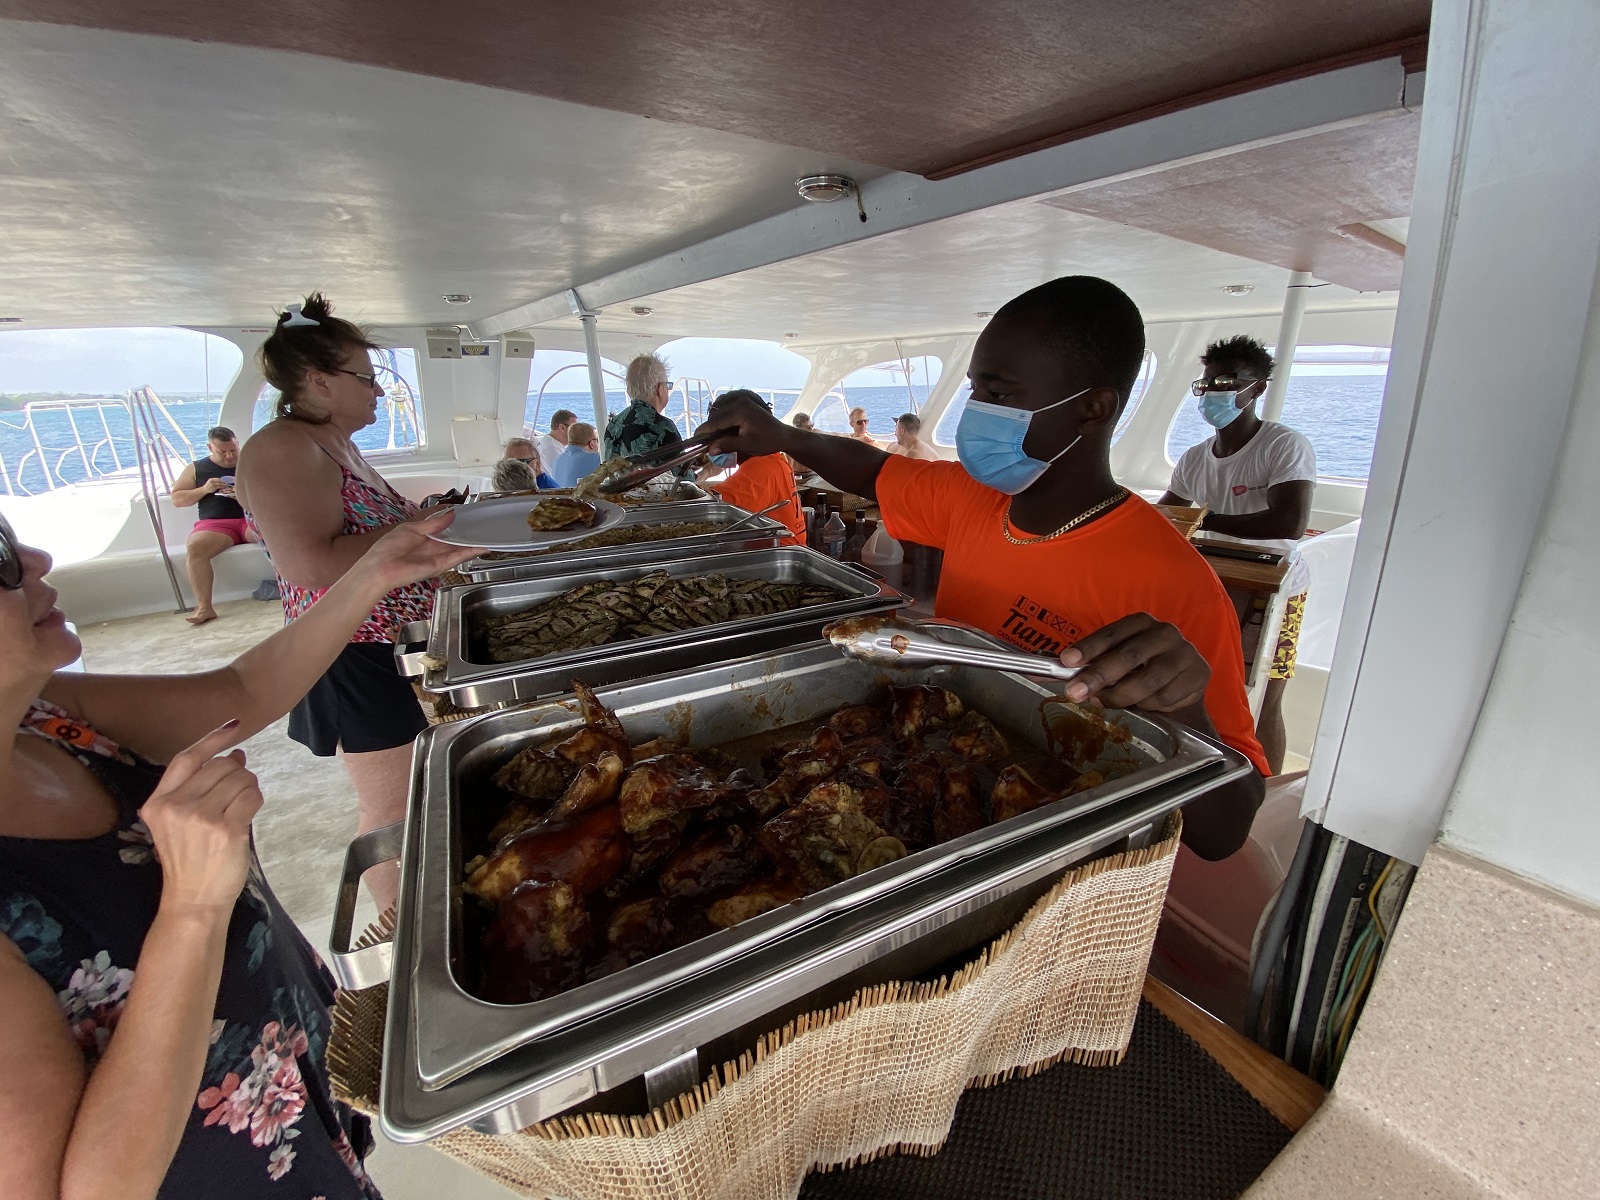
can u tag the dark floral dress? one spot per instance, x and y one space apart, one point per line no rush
263 1123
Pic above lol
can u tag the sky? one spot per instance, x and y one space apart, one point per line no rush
113 361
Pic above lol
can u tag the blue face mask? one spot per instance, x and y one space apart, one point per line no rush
989 443
1220 409
724 461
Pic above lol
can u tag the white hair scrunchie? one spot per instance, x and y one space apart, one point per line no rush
294 315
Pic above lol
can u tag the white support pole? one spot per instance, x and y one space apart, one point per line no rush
591 346
1294 307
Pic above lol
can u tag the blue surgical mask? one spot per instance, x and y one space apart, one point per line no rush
724 461
1220 409
989 442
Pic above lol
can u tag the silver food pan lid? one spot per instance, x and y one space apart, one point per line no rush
751 533
457 1033
453 664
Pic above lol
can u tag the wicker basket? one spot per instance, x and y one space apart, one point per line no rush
878 1074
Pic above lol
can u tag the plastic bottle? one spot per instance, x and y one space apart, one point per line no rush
833 537
884 555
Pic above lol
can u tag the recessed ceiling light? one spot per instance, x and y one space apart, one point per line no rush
791 335
641 310
1238 289
10 320
983 314
457 298
823 189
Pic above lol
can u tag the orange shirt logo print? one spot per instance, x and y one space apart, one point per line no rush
1034 627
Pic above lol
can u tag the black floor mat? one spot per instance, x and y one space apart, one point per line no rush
1167 1122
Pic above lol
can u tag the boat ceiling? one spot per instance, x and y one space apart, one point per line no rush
152 180
897 83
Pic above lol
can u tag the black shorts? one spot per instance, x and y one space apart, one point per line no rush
361 704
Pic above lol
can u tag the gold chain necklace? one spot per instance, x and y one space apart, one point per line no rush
1116 497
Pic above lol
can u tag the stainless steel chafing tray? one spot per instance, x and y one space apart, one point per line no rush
440 650
451 1059
753 533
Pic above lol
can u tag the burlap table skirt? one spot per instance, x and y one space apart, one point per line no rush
880 1073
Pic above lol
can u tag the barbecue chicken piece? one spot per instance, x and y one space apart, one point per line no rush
817 759
1089 779
914 710
715 858
595 784
1015 791
601 734
827 838
665 788
535 774
751 900
977 740
858 721
959 810
635 931
588 852
534 947
560 512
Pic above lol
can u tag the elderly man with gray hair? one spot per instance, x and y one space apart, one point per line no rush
640 426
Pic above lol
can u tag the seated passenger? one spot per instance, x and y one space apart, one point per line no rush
1256 477
208 482
801 420
640 427
1042 547
760 480
580 458
553 443
858 427
908 439
514 475
522 450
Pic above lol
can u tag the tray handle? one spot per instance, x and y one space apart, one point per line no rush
411 646
367 966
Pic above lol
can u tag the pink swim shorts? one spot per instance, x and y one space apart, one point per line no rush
234 527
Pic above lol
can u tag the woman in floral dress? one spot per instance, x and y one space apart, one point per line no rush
165 1024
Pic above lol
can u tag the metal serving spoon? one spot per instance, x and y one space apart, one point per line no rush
748 517
890 641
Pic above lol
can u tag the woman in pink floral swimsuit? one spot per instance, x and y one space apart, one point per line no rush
318 506
165 1024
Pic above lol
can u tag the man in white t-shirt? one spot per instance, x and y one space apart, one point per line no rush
1256 477
553 443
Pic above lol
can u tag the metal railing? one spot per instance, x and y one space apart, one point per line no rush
77 441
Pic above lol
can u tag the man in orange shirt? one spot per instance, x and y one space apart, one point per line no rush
761 480
1042 547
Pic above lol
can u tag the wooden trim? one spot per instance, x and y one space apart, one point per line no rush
1288 1095
1411 51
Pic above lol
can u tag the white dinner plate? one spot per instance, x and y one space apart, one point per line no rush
503 525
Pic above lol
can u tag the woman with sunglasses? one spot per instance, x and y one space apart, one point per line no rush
165 1022
318 505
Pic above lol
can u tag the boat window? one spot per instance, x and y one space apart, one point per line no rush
399 427
885 390
945 435
1334 395
559 379
704 368
64 401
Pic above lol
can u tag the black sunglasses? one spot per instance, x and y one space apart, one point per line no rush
370 379
10 558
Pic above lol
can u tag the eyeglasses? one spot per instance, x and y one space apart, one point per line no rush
862 421
10 558
1221 383
370 379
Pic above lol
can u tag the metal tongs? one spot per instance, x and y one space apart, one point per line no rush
892 642
651 463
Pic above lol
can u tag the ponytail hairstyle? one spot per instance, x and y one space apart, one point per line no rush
308 337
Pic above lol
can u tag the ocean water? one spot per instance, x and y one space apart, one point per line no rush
1339 413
